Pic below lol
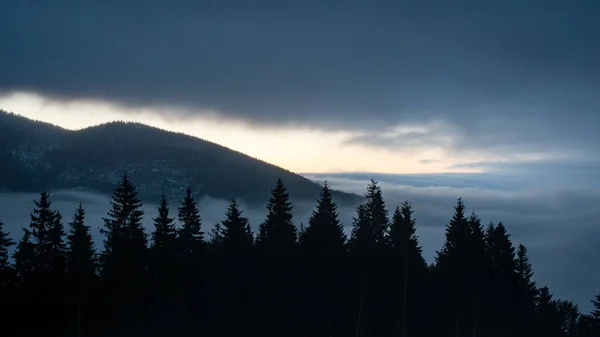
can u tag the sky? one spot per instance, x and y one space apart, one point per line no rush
494 101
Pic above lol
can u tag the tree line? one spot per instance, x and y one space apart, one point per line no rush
285 280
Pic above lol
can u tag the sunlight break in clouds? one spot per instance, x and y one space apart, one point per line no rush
299 150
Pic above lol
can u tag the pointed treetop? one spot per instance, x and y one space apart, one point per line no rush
236 235
165 233
324 233
458 244
278 229
524 268
191 234
81 261
377 212
403 226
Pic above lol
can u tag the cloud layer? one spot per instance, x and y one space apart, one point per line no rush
492 75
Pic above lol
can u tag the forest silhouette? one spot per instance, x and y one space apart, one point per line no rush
285 280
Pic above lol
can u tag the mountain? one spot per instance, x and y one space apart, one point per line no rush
36 155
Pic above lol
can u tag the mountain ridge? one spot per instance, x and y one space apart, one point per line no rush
36 155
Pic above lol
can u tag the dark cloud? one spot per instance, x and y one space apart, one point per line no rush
341 63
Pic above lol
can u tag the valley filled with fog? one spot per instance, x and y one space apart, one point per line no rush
556 224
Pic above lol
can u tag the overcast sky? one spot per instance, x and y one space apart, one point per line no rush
507 89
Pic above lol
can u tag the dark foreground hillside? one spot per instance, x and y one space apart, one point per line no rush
36 155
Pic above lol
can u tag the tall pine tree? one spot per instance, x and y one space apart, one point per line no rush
527 292
276 248
278 232
163 259
125 256
236 265
6 269
192 251
408 272
191 236
81 266
236 235
451 271
477 275
5 243
368 245
504 281
47 234
323 244
41 263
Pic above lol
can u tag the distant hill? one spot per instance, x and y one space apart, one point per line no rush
36 155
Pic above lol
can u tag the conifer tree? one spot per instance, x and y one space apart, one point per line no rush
362 240
192 252
452 269
236 249
368 247
5 243
504 279
408 271
594 318
48 236
478 273
163 254
6 270
165 234
548 320
191 237
25 282
125 255
527 291
278 232
81 265
276 249
24 257
323 244
324 235
236 236
216 237
44 249
377 212
568 315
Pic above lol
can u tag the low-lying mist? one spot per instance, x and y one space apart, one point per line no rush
557 225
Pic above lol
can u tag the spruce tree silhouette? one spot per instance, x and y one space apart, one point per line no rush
5 243
236 262
504 281
451 274
82 269
478 275
192 253
7 289
163 259
368 242
323 246
527 292
48 262
409 274
125 256
276 245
